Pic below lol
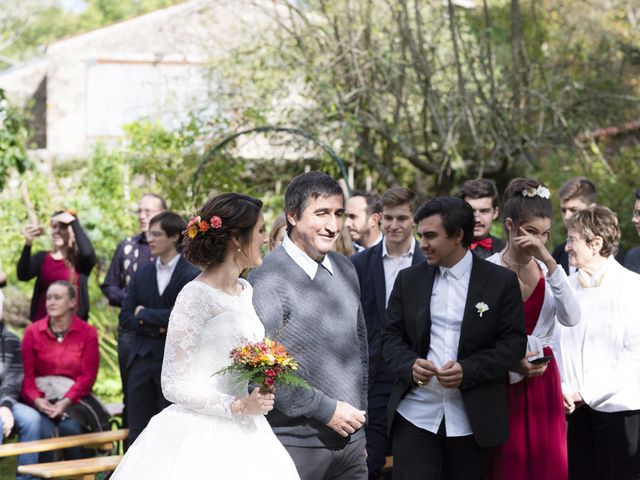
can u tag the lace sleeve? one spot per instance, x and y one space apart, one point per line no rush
181 382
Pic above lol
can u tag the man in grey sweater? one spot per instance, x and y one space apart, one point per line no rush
309 299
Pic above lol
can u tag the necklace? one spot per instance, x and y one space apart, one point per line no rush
59 335
515 264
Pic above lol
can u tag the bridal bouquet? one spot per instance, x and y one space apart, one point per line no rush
264 363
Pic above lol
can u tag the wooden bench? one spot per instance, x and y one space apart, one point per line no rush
85 468
92 440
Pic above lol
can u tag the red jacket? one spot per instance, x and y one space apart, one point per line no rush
76 357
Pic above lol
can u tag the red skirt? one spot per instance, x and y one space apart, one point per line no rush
537 445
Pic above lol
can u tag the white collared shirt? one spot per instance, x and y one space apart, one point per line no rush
304 261
425 406
164 272
359 248
601 354
393 265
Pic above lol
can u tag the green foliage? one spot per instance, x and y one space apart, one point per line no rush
615 174
13 141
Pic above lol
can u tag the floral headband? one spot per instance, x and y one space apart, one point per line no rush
541 191
197 225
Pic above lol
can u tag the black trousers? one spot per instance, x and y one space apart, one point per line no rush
144 394
603 446
421 455
378 442
125 338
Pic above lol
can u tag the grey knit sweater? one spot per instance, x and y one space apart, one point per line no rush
320 322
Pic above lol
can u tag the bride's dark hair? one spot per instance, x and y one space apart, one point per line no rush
238 214
521 207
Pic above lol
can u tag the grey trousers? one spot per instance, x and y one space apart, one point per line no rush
315 463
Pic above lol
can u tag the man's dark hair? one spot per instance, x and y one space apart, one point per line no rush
579 187
456 215
171 223
480 188
397 196
372 199
162 201
310 185
637 194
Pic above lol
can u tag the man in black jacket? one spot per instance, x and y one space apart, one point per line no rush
455 325
145 311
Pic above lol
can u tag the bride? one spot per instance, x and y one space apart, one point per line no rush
215 429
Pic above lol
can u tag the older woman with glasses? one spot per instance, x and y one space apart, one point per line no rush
600 357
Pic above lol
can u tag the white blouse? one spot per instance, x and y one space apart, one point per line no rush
559 303
601 356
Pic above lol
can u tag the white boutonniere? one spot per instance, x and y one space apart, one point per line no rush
481 307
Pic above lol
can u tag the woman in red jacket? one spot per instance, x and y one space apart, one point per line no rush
61 357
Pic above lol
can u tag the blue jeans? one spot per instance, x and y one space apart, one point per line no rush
27 425
65 427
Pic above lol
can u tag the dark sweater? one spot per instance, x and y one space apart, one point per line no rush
11 372
321 324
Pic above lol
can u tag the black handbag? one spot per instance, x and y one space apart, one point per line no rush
90 413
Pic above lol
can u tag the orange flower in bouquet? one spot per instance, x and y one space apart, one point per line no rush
264 363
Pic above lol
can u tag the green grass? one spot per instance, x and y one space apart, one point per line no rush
8 468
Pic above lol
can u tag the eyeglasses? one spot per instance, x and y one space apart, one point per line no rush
636 214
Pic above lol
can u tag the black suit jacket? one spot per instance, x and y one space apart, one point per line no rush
150 325
489 344
373 291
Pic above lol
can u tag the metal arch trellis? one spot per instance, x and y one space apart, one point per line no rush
294 131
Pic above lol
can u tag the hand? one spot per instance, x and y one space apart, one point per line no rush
6 417
31 232
450 374
137 310
569 404
59 407
422 371
43 405
346 419
534 247
257 403
63 217
578 400
528 369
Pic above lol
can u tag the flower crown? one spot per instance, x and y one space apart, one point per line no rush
541 191
197 225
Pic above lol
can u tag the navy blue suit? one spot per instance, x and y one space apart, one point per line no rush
370 271
144 363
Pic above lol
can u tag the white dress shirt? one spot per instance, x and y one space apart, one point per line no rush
304 261
601 355
164 272
359 248
425 406
393 265
559 305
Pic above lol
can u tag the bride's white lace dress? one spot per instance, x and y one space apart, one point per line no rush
198 437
